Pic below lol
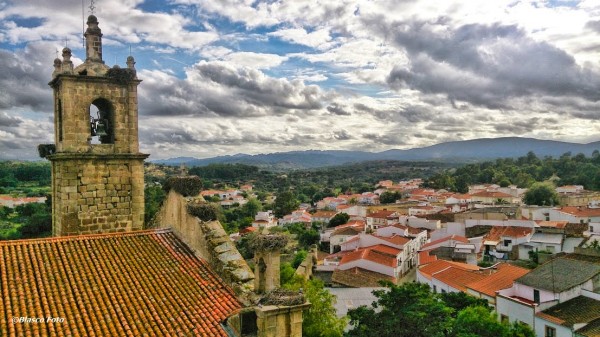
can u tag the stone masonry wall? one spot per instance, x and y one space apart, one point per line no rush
76 94
97 194
210 241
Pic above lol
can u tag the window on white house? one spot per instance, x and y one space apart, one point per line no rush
550 332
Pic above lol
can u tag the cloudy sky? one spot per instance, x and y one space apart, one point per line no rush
244 76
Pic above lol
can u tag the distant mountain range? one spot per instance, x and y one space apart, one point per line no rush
458 151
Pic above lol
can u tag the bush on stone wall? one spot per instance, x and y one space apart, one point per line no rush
188 186
204 211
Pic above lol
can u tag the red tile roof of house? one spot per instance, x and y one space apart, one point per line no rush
394 239
486 194
383 214
379 254
453 237
426 258
324 214
580 211
497 232
503 278
457 277
121 284
552 224
439 265
358 277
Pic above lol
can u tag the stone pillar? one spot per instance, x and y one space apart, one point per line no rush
280 321
267 261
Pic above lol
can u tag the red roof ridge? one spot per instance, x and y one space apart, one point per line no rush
86 236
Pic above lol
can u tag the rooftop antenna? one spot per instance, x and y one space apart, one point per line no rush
83 23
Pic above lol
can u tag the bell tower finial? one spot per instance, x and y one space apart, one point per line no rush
92 7
93 40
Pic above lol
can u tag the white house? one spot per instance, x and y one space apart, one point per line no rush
535 297
575 214
264 219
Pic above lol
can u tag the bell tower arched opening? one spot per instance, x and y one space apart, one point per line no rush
101 122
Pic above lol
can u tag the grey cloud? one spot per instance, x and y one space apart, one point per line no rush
216 88
387 139
593 25
337 109
342 135
486 65
518 126
24 78
7 120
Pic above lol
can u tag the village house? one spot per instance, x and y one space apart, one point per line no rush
433 275
356 212
575 214
559 298
494 198
488 213
264 219
340 234
425 210
381 218
297 216
323 216
12 202
501 276
499 241
453 248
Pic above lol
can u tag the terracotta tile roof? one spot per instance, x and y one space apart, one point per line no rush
376 254
552 224
383 214
324 214
425 258
439 265
578 310
457 277
415 231
452 237
394 239
358 277
580 211
486 194
497 232
503 278
122 284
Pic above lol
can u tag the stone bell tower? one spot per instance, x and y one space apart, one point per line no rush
97 169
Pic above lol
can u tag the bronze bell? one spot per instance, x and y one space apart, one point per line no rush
101 126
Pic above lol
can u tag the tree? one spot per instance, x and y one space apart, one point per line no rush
320 320
298 258
412 309
251 208
153 198
409 310
308 238
541 194
284 204
478 321
339 219
388 197
459 301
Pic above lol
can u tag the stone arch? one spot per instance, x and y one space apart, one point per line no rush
102 117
